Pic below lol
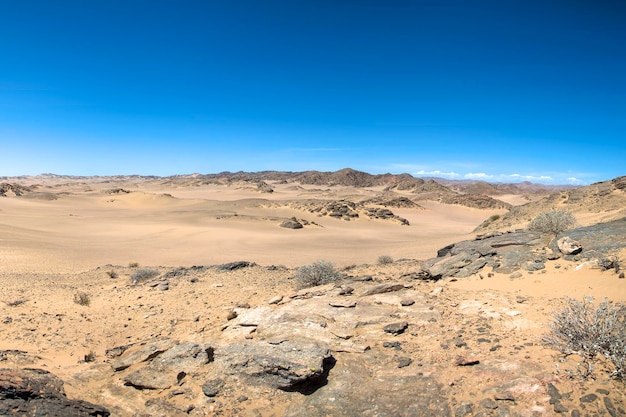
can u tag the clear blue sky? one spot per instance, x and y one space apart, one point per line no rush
499 90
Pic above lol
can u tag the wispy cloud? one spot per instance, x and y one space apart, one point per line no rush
553 178
318 149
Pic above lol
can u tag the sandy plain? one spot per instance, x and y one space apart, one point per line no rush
67 237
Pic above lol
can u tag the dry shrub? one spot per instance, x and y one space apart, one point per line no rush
590 331
143 275
607 263
385 259
318 273
82 298
16 303
552 222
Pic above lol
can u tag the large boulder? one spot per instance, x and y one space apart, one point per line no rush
298 364
38 393
569 246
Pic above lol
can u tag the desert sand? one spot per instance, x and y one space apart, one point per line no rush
68 236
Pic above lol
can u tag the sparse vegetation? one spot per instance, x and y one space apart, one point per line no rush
89 357
133 265
112 274
82 298
591 331
609 262
318 273
385 259
493 218
143 275
552 222
15 303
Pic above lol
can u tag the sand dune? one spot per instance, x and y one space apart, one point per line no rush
210 225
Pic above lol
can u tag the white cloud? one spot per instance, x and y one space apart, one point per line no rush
478 176
574 181
437 173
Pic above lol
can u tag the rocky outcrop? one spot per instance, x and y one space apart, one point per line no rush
348 210
475 201
505 252
391 201
385 214
8 189
291 224
607 198
38 393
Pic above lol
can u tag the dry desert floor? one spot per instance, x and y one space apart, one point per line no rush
90 236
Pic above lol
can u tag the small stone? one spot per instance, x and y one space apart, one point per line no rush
554 393
459 343
391 344
242 398
588 398
610 407
346 291
603 391
406 303
488 403
504 396
404 362
163 286
231 315
494 348
396 328
516 275
463 361
575 413
560 408
212 388
483 340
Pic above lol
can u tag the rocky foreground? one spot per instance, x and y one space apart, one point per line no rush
237 340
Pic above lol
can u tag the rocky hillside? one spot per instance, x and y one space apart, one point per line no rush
607 199
9 189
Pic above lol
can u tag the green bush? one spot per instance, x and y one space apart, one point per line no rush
318 273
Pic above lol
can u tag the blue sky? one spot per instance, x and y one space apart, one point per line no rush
494 90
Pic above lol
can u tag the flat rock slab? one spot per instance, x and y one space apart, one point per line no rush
382 288
342 303
353 390
143 353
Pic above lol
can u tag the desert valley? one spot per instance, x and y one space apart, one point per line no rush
183 296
